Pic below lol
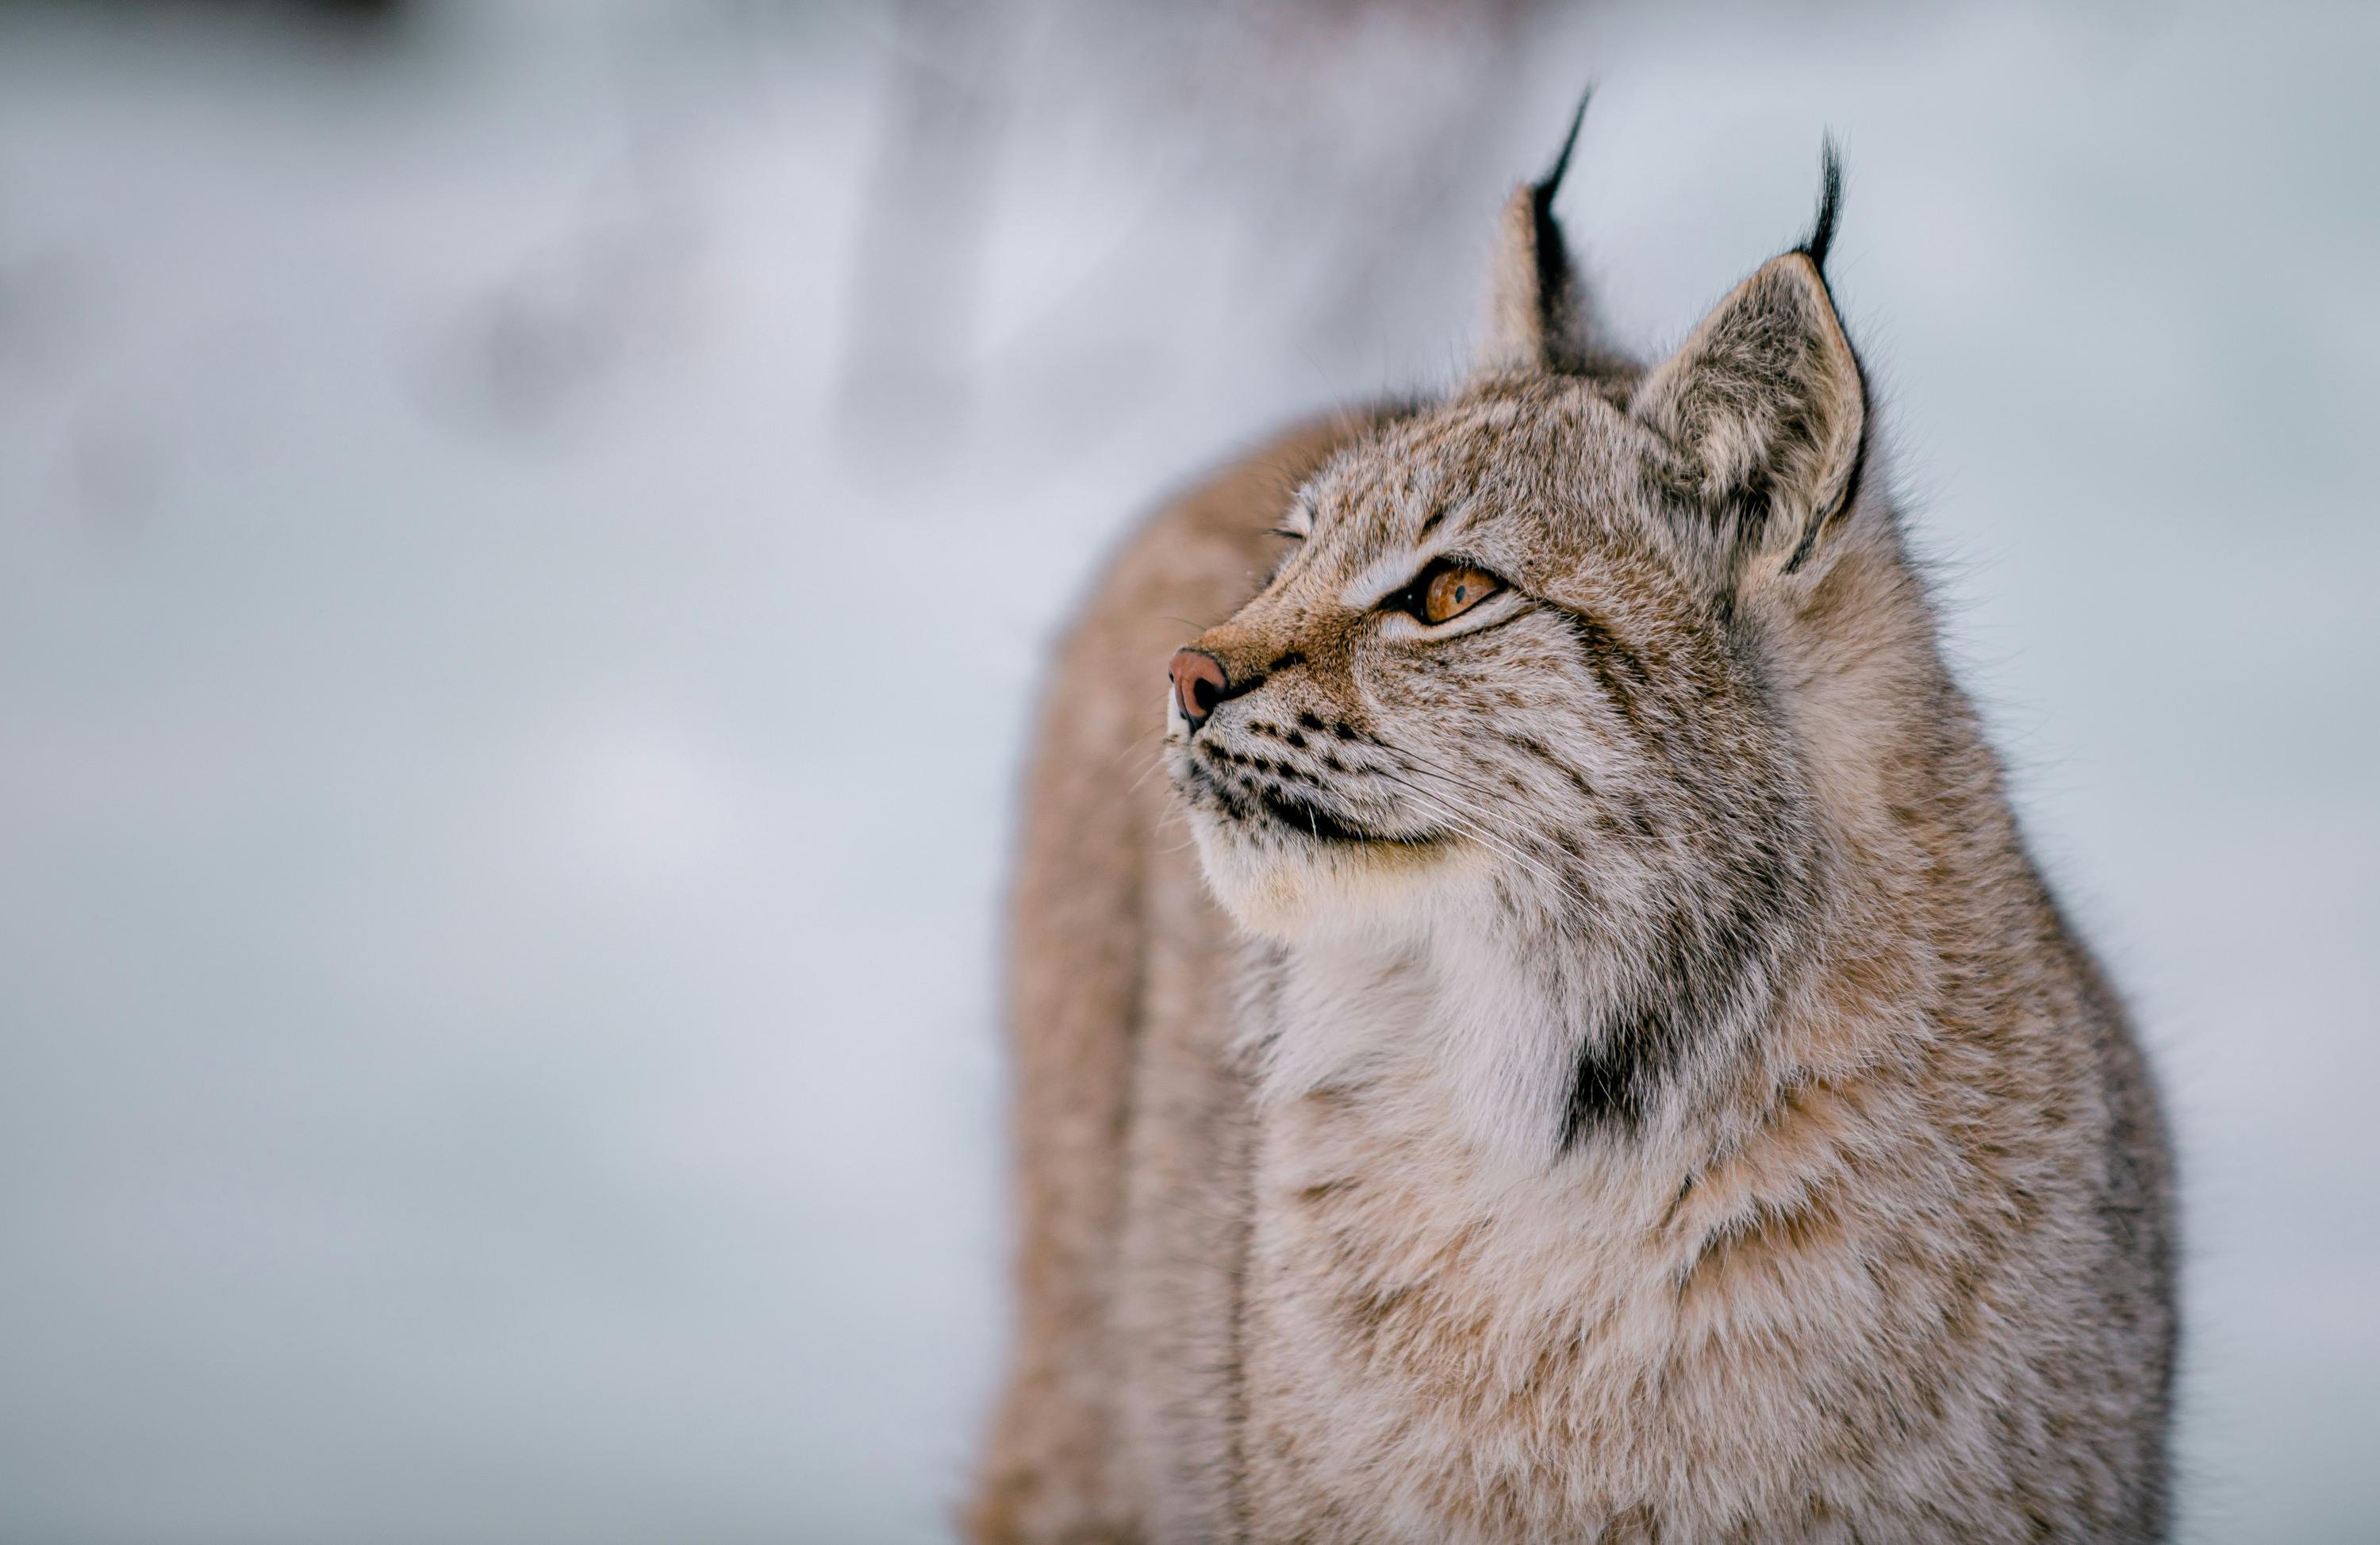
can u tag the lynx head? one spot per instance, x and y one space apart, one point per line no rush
1530 665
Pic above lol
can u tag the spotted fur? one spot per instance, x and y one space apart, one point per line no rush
1615 1074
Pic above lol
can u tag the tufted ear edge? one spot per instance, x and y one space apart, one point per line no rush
1539 316
1765 403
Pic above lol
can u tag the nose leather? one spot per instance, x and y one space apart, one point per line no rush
1199 683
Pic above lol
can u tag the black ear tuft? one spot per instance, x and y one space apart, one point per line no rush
1540 318
1830 205
1554 277
1546 186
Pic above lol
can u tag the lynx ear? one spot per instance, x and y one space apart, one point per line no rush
1765 402
1538 319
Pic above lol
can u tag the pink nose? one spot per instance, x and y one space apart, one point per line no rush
1199 684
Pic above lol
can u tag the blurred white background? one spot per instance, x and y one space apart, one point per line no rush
526 536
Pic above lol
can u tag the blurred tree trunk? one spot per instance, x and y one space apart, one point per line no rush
1340 129
921 235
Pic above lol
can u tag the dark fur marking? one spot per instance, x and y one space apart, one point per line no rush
1532 745
1222 792
1826 517
1701 978
1604 1090
1609 659
1296 814
1288 774
1830 204
1815 245
1366 1309
1684 1190
1239 688
1313 821
1555 301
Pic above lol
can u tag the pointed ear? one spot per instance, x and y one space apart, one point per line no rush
1538 318
1764 403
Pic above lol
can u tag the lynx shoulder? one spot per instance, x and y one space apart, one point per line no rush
1573 1046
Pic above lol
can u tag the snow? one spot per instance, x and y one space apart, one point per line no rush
506 749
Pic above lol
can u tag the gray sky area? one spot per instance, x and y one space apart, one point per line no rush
528 534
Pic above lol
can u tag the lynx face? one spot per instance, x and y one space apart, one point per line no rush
1484 662
1523 681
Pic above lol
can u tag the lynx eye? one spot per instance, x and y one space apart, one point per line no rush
1448 592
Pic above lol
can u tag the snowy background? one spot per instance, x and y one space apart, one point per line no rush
526 533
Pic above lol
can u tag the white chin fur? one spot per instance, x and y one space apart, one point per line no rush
1291 890
1397 960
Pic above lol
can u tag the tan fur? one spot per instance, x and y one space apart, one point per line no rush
1110 936
1673 1110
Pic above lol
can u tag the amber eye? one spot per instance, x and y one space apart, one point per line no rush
1454 590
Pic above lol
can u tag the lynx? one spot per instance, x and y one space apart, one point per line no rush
1574 1047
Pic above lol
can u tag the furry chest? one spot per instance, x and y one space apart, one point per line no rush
1431 1351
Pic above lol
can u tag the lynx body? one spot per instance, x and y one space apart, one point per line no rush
1609 1070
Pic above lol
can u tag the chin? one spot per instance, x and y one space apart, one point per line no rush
1286 886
